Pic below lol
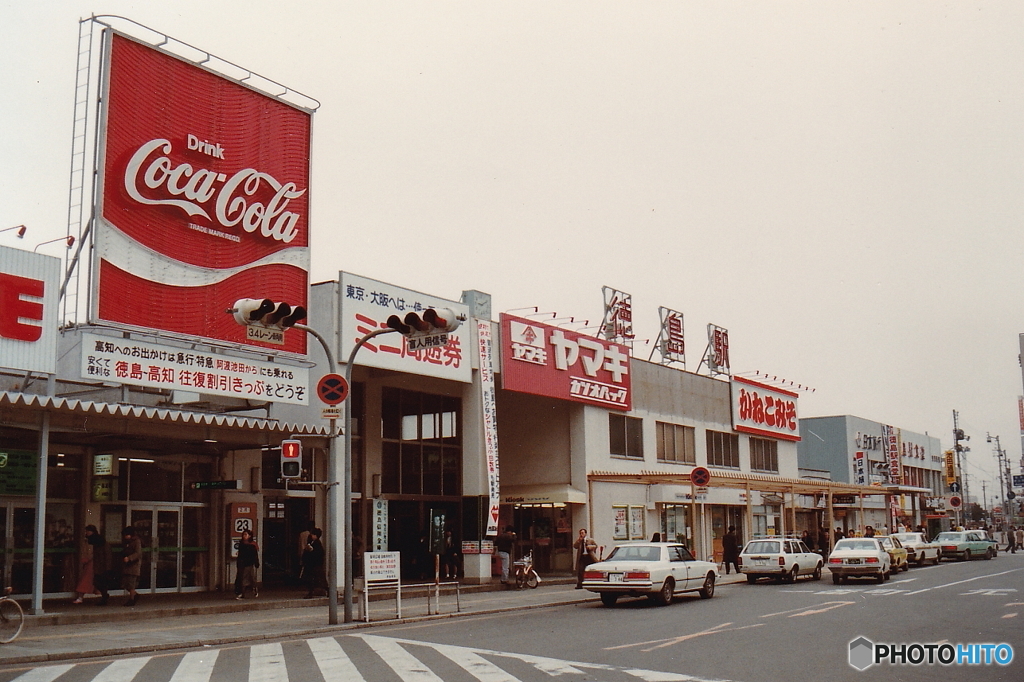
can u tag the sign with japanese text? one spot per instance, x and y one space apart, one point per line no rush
892 453
204 198
620 522
860 471
671 342
764 410
381 566
618 316
138 363
379 534
29 284
489 413
366 305
242 517
718 350
559 363
950 467
18 472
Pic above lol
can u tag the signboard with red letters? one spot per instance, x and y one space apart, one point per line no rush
204 198
366 305
29 284
559 363
764 410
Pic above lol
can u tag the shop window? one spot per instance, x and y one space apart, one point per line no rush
421 452
723 449
64 476
625 435
153 479
764 455
676 443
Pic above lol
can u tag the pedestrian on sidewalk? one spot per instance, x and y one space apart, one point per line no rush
1020 538
450 557
247 563
85 570
102 564
586 548
731 549
313 564
503 545
131 564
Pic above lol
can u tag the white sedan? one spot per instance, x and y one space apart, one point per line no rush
919 549
659 570
857 557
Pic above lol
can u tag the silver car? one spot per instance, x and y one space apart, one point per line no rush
780 558
658 570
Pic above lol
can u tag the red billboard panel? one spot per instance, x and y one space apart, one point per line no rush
204 198
559 363
763 410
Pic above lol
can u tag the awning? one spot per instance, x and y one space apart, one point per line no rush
736 479
561 493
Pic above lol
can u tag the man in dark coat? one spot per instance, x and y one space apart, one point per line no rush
246 564
101 563
313 563
131 564
730 549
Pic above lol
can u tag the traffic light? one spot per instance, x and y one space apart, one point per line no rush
267 313
432 321
291 459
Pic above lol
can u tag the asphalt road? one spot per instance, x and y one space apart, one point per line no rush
747 633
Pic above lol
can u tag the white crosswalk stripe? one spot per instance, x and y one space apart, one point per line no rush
122 670
333 662
342 659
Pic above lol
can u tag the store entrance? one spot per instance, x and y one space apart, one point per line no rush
17 540
409 533
174 551
546 530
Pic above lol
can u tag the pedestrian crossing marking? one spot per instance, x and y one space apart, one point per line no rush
268 663
196 666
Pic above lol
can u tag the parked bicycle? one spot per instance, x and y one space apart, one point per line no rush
12 618
525 575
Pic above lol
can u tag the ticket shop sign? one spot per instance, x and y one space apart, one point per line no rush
550 361
764 410
366 305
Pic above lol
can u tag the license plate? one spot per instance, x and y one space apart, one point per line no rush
853 561
615 577
760 562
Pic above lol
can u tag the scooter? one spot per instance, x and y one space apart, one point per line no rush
525 575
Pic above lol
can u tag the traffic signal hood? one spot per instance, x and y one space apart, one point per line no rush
432 321
291 459
268 313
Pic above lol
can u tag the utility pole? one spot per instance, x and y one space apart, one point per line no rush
958 435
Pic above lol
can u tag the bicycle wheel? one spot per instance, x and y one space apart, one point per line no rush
531 579
520 578
12 618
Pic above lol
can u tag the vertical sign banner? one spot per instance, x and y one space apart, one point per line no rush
892 452
671 343
618 316
29 284
718 350
860 468
490 417
950 467
366 305
204 198
764 410
559 363
379 543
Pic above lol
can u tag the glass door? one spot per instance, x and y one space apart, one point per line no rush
142 521
166 568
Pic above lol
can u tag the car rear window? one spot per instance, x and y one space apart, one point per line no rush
952 537
635 554
856 544
762 547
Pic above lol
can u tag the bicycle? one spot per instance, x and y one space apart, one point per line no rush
525 575
12 618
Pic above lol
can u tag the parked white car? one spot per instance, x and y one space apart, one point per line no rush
780 558
919 550
859 557
658 570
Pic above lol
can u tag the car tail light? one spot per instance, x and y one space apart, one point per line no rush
739 561
593 575
637 575
871 560
835 560
949 548
782 561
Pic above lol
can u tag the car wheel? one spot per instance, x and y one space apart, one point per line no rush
920 560
609 599
881 577
751 578
967 555
886 575
938 558
708 590
665 594
817 573
906 566
791 576
988 554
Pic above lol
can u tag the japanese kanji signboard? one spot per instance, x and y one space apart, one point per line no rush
764 410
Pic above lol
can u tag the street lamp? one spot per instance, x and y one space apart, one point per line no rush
70 239
20 228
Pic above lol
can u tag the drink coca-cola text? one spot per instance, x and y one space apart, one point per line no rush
200 186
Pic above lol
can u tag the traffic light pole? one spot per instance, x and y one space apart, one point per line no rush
332 498
347 489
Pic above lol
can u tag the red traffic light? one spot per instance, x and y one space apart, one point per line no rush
291 459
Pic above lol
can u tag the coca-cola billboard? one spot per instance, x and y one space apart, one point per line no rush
551 361
205 198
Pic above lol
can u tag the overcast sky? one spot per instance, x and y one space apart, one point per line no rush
837 184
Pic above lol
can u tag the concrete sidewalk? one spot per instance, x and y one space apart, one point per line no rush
165 622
